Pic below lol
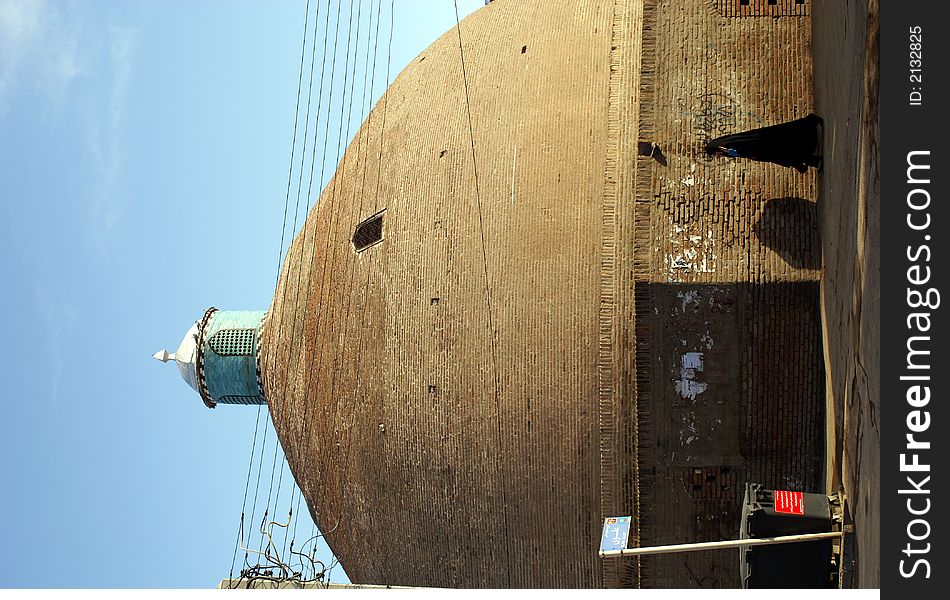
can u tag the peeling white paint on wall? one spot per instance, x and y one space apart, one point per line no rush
689 388
692 360
689 433
689 179
691 252
688 298
686 385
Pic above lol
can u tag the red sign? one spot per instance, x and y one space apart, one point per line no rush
790 503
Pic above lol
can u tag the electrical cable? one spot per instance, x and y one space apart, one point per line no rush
312 170
340 351
332 199
246 485
313 156
283 300
303 46
290 512
270 488
326 136
333 190
257 485
364 129
293 146
333 194
488 297
382 132
300 178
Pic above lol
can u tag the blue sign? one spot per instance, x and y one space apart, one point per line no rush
616 533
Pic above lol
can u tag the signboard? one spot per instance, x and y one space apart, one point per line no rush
616 533
790 503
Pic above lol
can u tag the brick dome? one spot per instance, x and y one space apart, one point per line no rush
449 356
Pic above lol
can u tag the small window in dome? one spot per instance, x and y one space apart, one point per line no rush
369 232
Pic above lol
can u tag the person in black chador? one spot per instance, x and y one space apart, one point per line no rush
793 144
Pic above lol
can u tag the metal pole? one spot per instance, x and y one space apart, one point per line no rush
695 547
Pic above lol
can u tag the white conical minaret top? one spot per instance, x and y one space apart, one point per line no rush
185 357
163 356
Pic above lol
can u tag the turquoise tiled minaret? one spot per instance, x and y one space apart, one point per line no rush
219 357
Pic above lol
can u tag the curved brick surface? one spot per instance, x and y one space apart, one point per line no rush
466 456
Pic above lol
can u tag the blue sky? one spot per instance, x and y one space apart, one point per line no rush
144 156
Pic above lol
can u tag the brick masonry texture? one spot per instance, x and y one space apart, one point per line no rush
728 260
463 403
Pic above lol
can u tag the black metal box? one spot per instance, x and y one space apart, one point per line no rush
769 513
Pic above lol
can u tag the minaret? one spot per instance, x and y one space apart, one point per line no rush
219 357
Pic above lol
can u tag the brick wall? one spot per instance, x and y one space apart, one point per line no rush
726 281
737 395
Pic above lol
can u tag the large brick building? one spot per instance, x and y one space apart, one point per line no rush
546 326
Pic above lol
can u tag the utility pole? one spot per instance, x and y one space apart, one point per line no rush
699 546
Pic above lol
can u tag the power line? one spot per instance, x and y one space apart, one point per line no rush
342 158
366 127
310 187
379 165
302 159
293 146
303 46
310 183
296 211
332 197
286 202
246 485
257 485
290 513
488 298
326 137
309 191
294 229
349 78
332 203
270 489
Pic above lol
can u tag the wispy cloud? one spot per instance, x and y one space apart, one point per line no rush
19 28
62 63
106 139
37 50
73 70
59 320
